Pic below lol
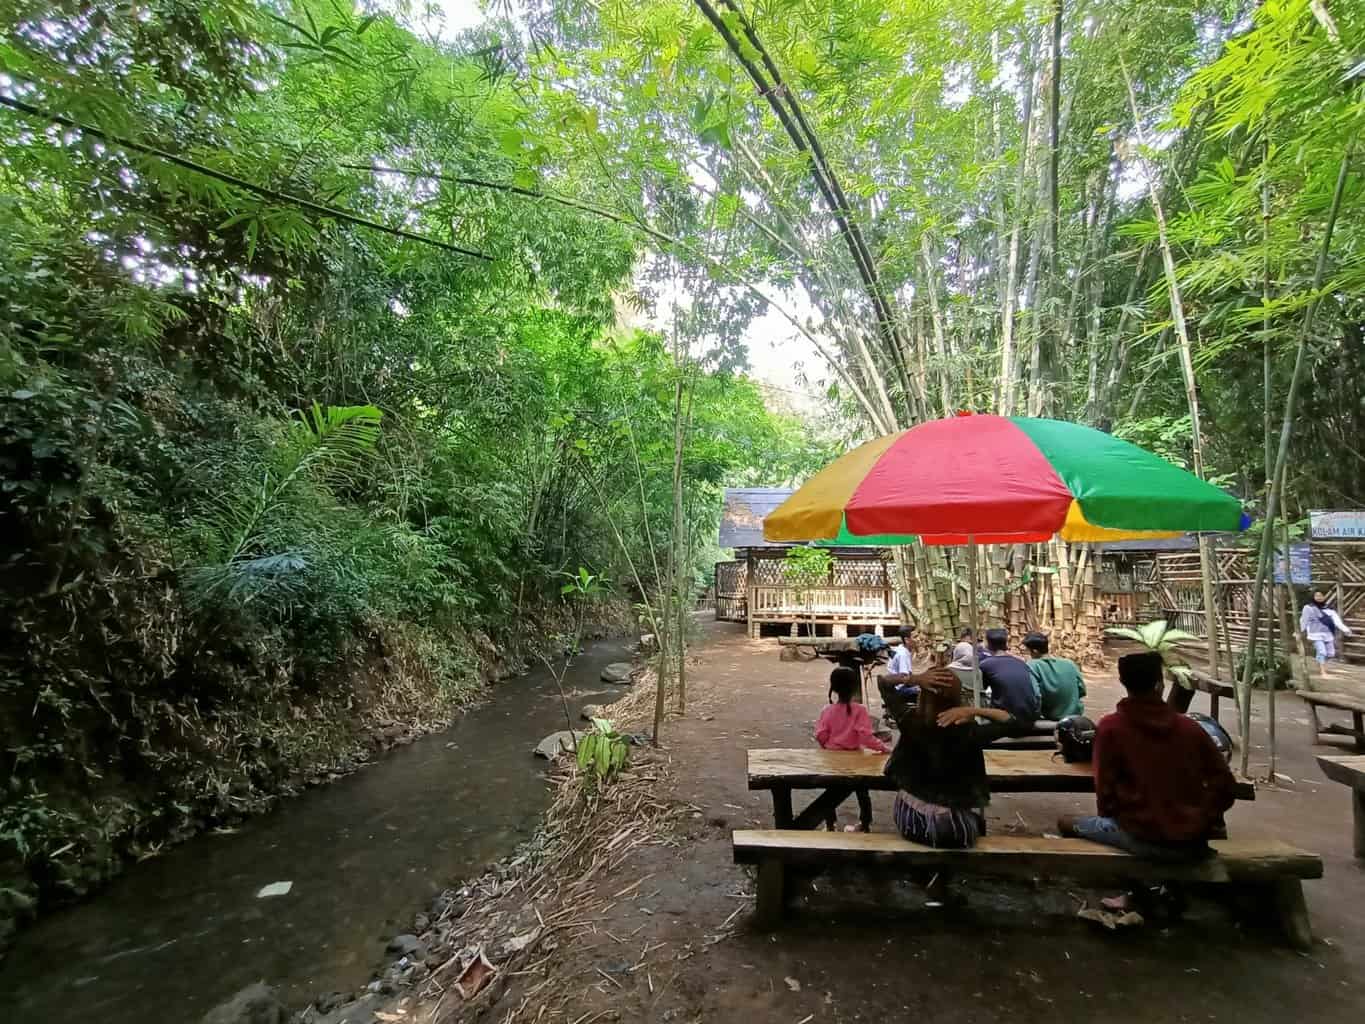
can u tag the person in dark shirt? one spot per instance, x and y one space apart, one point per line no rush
938 765
1009 680
1161 786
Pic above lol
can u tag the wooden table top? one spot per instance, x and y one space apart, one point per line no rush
1348 769
1008 771
1340 701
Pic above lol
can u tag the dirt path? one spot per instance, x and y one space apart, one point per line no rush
860 954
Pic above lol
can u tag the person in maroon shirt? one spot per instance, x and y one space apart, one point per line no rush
1161 786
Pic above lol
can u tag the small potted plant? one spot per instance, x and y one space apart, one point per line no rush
1160 637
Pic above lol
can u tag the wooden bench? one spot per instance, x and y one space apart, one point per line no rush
1042 735
1270 871
1338 702
1349 771
1215 688
1007 771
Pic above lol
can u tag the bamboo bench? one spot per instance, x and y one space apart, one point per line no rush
1269 871
1337 702
1349 771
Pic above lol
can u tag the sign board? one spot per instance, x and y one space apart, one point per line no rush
1347 524
1300 564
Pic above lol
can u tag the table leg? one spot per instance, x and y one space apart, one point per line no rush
782 808
1293 913
1213 706
1358 723
771 893
1358 816
1314 726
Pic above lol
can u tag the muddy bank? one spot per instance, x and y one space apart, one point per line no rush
186 929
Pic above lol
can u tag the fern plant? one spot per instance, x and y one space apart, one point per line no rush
602 752
251 538
1159 636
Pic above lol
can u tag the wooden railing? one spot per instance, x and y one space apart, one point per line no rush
785 603
732 609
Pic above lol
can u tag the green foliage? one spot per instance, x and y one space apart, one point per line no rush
805 568
1267 670
602 752
266 477
1158 636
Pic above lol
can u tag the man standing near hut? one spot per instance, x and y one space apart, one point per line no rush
1321 624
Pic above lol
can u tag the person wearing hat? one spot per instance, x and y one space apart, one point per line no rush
1161 785
1321 623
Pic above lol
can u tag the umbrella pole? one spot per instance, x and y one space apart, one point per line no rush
972 616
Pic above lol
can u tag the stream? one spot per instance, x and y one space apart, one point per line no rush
179 933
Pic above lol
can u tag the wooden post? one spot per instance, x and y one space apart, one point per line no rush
1358 817
972 617
771 883
749 566
782 807
1292 912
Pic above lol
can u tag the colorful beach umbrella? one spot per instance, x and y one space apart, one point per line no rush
1000 480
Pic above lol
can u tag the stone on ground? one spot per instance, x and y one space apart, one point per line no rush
617 672
405 945
557 743
255 1004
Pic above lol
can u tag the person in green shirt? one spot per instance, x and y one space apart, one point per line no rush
1057 680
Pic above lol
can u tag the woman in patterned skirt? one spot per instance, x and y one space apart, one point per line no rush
938 765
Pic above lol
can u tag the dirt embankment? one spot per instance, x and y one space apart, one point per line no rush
630 909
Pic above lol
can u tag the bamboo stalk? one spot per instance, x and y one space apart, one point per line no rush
1286 433
1187 372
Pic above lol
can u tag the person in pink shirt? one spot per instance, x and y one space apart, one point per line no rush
843 725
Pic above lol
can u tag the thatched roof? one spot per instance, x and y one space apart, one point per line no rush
741 521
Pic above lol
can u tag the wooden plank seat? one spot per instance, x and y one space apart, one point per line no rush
1215 688
1271 872
1041 735
1349 771
1337 702
1007 771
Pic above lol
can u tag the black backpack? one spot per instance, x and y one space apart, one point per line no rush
1076 737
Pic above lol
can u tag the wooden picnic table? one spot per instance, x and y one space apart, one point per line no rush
1349 771
1007 771
1347 702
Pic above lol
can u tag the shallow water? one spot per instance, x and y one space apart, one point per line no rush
181 932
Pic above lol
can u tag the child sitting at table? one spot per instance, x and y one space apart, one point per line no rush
846 725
